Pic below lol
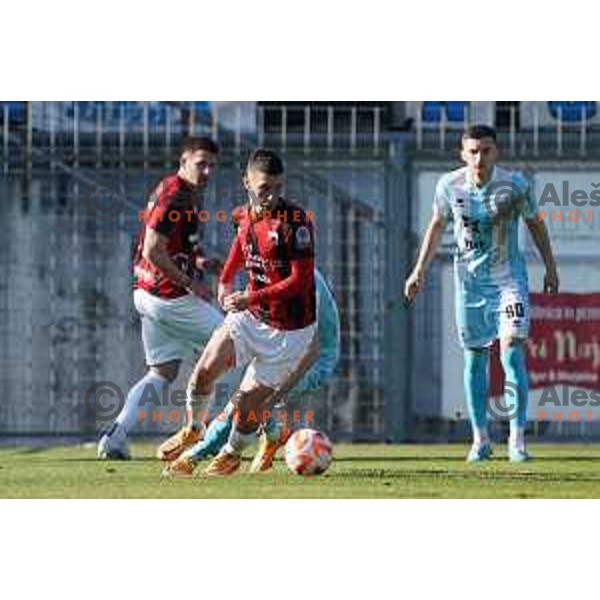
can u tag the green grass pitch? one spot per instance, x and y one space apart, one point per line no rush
358 471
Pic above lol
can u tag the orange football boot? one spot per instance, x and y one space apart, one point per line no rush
263 461
224 464
183 467
177 444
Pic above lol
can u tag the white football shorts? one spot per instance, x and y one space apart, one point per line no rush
271 354
174 329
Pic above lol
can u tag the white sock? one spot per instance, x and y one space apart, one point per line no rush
238 441
480 436
517 438
129 414
196 404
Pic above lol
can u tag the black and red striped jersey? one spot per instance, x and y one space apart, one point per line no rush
278 252
171 212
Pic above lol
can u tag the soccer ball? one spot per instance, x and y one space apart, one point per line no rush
308 452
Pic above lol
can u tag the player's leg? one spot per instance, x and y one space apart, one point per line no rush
113 444
218 357
249 404
279 359
164 353
278 428
514 329
476 392
477 329
512 355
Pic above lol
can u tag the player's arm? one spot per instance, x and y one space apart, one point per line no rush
541 239
234 262
211 264
301 258
155 252
429 247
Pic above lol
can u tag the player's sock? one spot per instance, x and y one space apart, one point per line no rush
515 375
214 439
238 441
150 387
476 392
196 405
272 429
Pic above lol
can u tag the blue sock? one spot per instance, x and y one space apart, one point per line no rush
476 390
216 436
517 384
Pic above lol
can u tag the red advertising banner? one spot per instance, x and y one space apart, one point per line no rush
563 345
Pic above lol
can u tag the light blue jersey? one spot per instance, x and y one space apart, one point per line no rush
490 271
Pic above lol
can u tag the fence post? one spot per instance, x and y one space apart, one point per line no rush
583 137
559 140
260 117
307 126
192 119
353 126
283 127
52 126
376 129
99 133
122 134
443 128
512 130
5 138
330 124
238 129
215 121
397 333
419 125
536 130
28 138
145 134
75 133
168 137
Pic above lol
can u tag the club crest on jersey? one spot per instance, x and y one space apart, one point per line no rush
273 236
303 238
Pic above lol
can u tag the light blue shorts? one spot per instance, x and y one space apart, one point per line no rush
315 378
485 313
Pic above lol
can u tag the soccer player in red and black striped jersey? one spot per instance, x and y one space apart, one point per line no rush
270 325
176 319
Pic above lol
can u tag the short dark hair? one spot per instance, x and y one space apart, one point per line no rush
478 132
195 143
266 161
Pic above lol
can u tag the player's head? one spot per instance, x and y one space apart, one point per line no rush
264 179
479 151
197 160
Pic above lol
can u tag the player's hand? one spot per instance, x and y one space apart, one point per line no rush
413 285
223 291
210 265
201 290
551 282
236 302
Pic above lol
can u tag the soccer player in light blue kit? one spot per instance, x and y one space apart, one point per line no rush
484 202
313 372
